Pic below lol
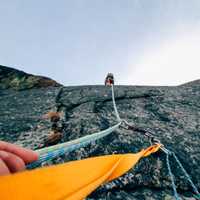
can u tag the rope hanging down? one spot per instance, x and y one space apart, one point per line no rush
186 175
176 196
51 152
114 104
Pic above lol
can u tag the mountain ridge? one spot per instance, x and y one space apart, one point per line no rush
20 80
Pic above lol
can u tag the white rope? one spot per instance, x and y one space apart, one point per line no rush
114 105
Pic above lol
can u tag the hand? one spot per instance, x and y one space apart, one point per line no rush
14 158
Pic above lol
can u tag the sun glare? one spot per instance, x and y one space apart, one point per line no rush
176 61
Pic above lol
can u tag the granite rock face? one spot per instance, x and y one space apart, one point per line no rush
171 113
19 80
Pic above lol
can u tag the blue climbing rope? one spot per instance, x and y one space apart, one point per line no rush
57 150
176 196
187 176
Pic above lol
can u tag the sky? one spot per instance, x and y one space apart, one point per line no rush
77 42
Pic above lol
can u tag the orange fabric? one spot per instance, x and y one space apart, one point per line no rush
70 181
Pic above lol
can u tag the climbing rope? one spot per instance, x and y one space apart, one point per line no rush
51 152
187 176
176 196
114 104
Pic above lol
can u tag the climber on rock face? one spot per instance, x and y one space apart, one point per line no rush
109 79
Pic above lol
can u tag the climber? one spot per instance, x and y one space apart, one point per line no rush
109 79
13 158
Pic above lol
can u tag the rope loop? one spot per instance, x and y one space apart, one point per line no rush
114 104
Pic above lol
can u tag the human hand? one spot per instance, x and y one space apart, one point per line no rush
13 158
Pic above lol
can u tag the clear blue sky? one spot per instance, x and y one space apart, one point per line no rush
76 42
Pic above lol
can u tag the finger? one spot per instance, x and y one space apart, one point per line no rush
3 168
13 162
26 154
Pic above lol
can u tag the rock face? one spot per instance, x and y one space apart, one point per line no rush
19 80
171 113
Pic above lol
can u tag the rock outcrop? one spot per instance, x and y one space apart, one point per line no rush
171 113
19 80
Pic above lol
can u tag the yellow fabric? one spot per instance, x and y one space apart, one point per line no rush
70 181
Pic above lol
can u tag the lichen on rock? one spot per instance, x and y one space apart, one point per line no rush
19 80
